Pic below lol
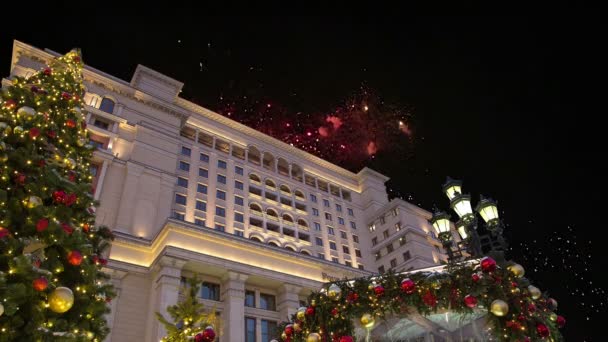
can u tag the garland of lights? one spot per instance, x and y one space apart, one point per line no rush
519 311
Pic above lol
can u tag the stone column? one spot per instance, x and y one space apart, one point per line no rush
233 296
288 300
124 220
116 280
165 292
102 176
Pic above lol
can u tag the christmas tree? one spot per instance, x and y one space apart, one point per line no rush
190 319
51 284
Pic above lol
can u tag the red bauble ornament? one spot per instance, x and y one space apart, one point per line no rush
4 232
346 339
208 334
70 123
86 227
67 228
34 132
288 329
470 301
198 337
488 265
521 318
42 224
58 196
561 321
352 297
334 312
542 330
475 277
69 200
51 134
47 71
429 299
40 284
72 176
76 59
408 286
310 311
531 307
20 179
34 89
103 261
65 95
379 290
10 104
75 258
513 325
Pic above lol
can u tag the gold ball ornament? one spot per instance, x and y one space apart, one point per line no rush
553 316
284 336
517 270
3 157
301 313
313 303
28 112
334 292
33 202
534 292
81 141
1 309
61 300
368 320
2 146
499 308
18 130
297 327
313 337
70 163
7 130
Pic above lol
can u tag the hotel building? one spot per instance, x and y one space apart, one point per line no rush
189 192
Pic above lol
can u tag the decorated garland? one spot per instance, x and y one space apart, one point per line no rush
517 310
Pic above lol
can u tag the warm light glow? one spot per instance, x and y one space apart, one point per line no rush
461 205
462 232
488 210
441 222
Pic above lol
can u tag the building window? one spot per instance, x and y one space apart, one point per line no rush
328 216
184 166
219 194
315 211
402 241
267 302
395 211
180 199
103 124
220 227
239 233
183 182
332 245
343 234
238 170
378 255
361 267
202 188
317 226
269 330
203 172
250 329
345 249
186 151
313 198
330 231
372 228
219 211
239 200
382 220
321 256
350 212
358 253
179 216
326 203
221 164
250 299
238 217
353 225
374 241
199 221
107 105
221 179
319 241
210 291
334 259
385 234
204 158
348 263
398 226
406 256
200 205
355 238
338 208
389 248
238 185
381 269
393 263
340 221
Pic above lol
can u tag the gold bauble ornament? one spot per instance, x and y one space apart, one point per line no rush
297 327
534 292
1 309
61 300
517 270
70 163
301 314
553 316
2 146
499 308
33 202
367 320
313 337
3 157
334 292
7 130
18 130
284 336
81 142
28 112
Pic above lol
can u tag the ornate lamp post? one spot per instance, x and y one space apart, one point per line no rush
441 223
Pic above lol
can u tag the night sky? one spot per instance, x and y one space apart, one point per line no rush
504 103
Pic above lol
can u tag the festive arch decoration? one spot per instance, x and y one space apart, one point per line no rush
508 306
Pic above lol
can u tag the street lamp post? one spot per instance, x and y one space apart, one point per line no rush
467 224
